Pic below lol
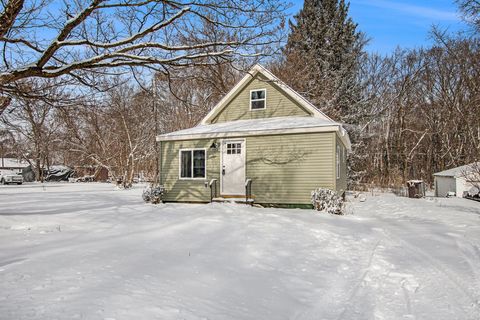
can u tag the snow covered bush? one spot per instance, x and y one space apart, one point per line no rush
328 200
153 194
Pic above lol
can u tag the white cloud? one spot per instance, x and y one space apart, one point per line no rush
413 10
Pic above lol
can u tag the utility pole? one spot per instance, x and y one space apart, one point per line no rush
155 119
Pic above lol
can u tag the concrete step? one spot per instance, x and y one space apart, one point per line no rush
234 200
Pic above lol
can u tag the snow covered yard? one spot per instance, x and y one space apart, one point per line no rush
87 251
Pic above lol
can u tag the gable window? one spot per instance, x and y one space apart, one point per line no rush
192 164
258 99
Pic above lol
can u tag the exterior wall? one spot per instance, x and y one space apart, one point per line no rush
443 185
187 190
462 185
14 169
278 104
285 169
341 182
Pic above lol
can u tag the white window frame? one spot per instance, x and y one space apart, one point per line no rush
265 99
338 162
180 164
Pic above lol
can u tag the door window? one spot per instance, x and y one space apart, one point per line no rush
234 148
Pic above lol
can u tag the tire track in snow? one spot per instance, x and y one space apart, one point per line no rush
455 282
421 255
358 285
473 267
406 296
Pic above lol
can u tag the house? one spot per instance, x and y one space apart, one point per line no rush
18 166
13 164
262 142
457 180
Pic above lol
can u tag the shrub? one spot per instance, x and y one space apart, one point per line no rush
153 194
328 200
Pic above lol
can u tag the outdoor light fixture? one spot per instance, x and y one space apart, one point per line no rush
214 146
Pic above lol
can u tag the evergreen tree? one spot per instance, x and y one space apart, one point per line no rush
322 55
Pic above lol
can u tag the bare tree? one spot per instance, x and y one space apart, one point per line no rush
33 127
81 39
424 111
471 175
471 12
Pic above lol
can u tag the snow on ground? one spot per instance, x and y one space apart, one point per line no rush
88 251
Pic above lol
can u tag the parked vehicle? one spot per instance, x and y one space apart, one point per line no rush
9 176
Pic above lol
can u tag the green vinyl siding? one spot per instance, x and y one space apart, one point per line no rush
278 104
341 182
285 168
187 190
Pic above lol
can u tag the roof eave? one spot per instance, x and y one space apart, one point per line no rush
236 134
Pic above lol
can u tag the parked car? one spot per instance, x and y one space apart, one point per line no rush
9 176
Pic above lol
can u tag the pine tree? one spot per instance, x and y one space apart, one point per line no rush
323 52
322 62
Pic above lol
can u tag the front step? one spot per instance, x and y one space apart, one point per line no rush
234 200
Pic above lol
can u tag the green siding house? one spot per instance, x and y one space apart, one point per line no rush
262 143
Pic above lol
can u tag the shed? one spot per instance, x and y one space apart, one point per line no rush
457 180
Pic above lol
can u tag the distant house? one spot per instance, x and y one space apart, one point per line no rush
456 180
13 164
263 142
19 166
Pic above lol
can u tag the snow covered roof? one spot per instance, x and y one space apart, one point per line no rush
315 112
263 126
458 171
13 163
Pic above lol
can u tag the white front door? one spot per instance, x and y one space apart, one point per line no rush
233 167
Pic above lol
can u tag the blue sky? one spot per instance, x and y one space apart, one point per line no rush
404 23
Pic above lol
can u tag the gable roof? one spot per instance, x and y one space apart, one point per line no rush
256 69
458 171
13 163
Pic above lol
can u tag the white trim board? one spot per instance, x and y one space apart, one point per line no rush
244 81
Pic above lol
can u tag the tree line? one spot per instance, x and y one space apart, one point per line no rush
409 114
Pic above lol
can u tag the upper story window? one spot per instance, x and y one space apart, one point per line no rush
258 99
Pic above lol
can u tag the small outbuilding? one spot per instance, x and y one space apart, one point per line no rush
457 180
